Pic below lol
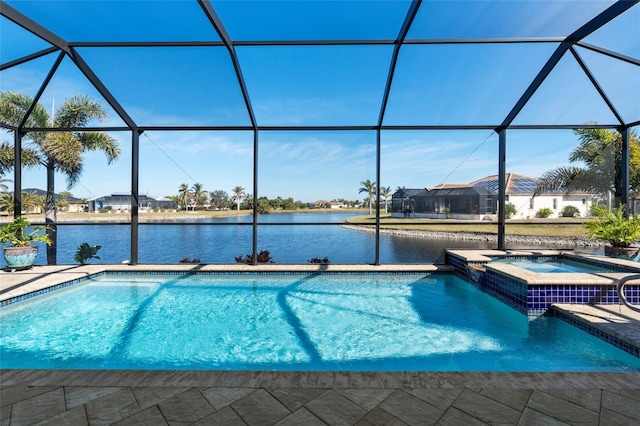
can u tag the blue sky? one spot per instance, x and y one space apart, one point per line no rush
467 84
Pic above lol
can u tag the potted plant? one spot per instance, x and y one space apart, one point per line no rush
21 252
617 230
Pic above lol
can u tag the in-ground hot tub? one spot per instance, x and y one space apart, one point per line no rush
531 281
551 265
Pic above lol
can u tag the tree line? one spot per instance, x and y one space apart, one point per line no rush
195 197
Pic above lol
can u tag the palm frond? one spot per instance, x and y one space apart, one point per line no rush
78 111
14 106
65 151
99 141
30 157
570 180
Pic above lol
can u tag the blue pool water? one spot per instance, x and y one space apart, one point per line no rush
553 265
369 322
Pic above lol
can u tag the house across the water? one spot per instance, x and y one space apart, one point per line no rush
121 202
479 200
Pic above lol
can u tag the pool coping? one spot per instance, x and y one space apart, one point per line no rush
321 379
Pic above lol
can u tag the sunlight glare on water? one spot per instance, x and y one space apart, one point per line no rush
369 322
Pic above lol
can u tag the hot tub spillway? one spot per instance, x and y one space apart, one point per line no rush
475 272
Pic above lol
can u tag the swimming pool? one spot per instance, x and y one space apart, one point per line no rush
297 321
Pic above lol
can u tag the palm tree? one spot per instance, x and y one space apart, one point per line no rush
6 202
199 194
600 153
57 151
248 200
3 184
63 201
184 196
238 195
370 188
32 202
384 193
65 195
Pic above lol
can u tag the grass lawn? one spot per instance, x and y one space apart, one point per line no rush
561 227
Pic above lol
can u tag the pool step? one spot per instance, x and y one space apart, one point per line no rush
615 324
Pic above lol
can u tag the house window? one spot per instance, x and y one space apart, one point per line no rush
555 204
584 201
531 203
506 197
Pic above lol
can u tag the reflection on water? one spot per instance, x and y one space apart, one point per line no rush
220 244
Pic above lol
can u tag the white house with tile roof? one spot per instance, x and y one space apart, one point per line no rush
479 200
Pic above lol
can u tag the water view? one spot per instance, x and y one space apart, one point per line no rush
211 241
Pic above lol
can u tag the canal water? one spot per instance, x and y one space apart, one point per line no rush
212 241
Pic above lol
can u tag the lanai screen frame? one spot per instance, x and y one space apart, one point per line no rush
68 49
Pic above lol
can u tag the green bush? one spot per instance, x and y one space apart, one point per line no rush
510 210
570 211
613 227
544 212
263 206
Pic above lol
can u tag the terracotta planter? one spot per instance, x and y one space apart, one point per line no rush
19 258
629 253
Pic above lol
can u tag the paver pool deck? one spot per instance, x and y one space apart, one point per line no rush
97 397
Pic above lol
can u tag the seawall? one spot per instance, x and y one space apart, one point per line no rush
472 236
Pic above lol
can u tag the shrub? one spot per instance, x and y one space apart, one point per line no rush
570 211
187 260
263 206
263 257
544 212
613 227
509 210
317 260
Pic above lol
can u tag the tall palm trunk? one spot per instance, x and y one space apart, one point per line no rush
50 215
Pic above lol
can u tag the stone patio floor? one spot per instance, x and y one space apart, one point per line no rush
333 398
76 397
